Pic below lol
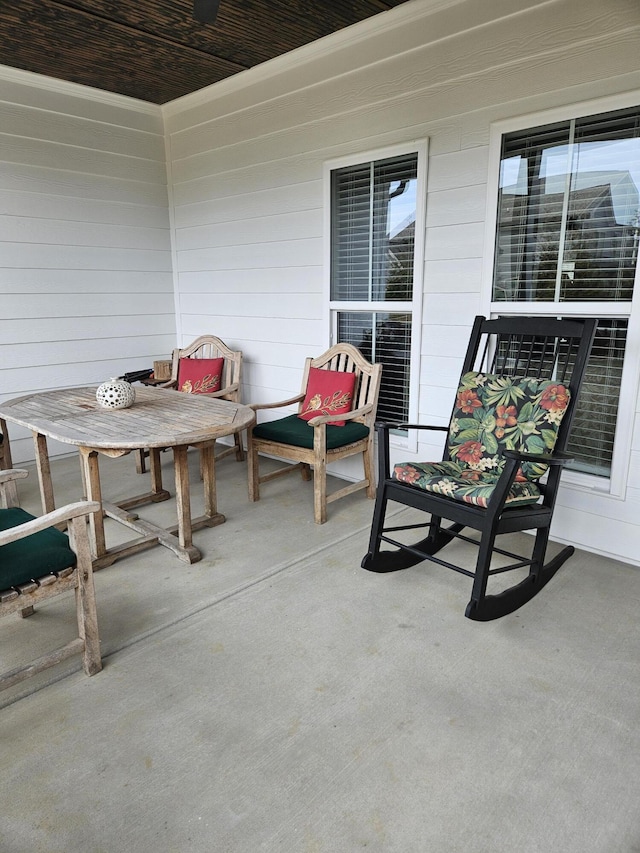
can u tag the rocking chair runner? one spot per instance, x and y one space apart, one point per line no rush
511 421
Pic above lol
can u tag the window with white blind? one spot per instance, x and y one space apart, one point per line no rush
376 210
567 244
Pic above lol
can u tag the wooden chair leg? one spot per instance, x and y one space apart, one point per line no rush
320 492
85 597
239 447
305 471
253 470
369 471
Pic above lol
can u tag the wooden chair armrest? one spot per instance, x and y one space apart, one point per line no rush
221 393
257 406
11 474
344 416
57 516
228 390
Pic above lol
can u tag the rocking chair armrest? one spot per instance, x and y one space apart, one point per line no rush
257 406
387 425
343 416
56 516
556 458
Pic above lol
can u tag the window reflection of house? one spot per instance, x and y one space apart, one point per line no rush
400 261
598 246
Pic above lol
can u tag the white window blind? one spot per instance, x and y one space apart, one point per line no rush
373 232
384 338
593 431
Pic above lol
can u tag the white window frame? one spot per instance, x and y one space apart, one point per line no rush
408 441
615 486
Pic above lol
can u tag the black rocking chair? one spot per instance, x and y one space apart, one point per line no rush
510 425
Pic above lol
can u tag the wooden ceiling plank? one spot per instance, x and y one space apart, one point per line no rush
154 50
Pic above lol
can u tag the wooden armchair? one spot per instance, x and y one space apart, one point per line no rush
502 462
223 373
313 438
38 561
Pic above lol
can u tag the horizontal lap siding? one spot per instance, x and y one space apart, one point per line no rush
85 252
246 160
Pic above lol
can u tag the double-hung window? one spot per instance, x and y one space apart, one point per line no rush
566 244
376 228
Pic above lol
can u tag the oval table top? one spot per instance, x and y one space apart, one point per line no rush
159 417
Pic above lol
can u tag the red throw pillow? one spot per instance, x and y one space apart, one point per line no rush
200 375
329 392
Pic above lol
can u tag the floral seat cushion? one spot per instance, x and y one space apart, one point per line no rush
462 483
493 413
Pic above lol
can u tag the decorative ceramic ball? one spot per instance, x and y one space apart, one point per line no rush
116 394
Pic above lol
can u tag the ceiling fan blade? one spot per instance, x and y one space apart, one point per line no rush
205 11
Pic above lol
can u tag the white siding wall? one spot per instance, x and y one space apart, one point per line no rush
86 283
246 174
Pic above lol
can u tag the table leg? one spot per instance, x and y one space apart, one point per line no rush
211 516
91 480
208 469
156 472
183 496
177 538
44 472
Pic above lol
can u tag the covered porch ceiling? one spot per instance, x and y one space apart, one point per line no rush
155 50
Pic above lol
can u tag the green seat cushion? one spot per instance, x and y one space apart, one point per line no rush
36 555
296 431
456 481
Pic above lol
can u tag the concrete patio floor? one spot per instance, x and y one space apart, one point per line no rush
276 697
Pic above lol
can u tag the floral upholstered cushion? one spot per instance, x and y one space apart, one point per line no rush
494 413
501 412
462 483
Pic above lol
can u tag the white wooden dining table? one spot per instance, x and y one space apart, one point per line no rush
159 419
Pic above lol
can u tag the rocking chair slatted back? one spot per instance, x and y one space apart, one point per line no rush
522 346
